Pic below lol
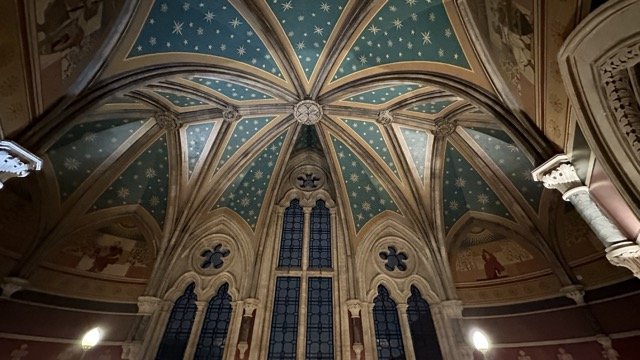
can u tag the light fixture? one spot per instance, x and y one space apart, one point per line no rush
91 338
480 341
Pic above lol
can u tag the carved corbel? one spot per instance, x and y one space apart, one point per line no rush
16 161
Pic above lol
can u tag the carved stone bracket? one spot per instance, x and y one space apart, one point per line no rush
11 285
147 305
385 118
574 292
15 161
250 305
307 112
354 308
230 114
445 127
167 121
626 256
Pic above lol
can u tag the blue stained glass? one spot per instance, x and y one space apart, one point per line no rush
320 245
291 239
387 324
320 319
214 329
394 258
284 323
176 335
423 332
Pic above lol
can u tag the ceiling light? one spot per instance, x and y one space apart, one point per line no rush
480 341
91 338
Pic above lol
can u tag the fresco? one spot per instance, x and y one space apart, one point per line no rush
117 250
69 33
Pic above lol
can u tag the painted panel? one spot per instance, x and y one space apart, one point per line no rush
230 89
416 142
431 107
367 197
197 136
383 94
405 30
243 131
371 133
210 28
182 101
247 191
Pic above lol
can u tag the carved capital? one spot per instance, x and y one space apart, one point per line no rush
230 114
243 346
574 292
358 348
354 308
16 161
131 350
451 309
147 305
307 112
167 121
385 118
627 255
250 305
445 127
557 173
11 285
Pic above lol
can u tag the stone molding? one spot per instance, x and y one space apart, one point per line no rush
16 161
11 285
574 292
450 309
147 305
131 350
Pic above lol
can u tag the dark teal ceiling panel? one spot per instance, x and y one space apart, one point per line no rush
308 25
205 27
465 189
416 141
246 193
383 94
367 196
231 90
144 182
405 30
510 159
244 130
180 100
431 107
197 136
87 145
308 139
369 131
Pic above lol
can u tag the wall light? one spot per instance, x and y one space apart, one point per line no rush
91 338
480 341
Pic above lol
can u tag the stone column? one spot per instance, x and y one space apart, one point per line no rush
558 173
244 339
157 311
368 330
192 344
406 331
355 324
447 319
16 161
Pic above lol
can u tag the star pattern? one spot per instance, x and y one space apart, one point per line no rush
231 90
369 131
510 159
383 95
245 194
87 145
402 32
367 196
416 141
144 182
180 100
244 130
211 28
465 189
197 136
431 107
308 25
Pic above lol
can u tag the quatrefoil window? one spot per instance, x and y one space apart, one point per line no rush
394 259
214 258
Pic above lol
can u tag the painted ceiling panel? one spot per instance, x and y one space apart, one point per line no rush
244 130
405 30
431 107
246 193
87 145
307 139
369 131
204 27
383 94
465 189
367 196
510 159
197 136
144 182
308 25
180 100
229 89
416 141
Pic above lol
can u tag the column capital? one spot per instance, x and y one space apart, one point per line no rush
574 292
16 161
402 307
451 309
557 173
250 305
147 305
307 210
625 255
354 307
201 304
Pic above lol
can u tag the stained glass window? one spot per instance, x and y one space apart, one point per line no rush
394 259
319 319
214 327
176 335
320 244
214 258
387 324
291 240
284 322
423 332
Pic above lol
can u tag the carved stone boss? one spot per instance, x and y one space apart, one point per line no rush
15 161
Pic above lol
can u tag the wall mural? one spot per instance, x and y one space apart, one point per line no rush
69 33
484 255
115 250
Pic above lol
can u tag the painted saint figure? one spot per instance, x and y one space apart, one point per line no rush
493 269
104 256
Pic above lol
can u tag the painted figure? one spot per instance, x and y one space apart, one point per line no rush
104 256
493 269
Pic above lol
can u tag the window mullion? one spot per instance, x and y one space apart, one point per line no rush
304 286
